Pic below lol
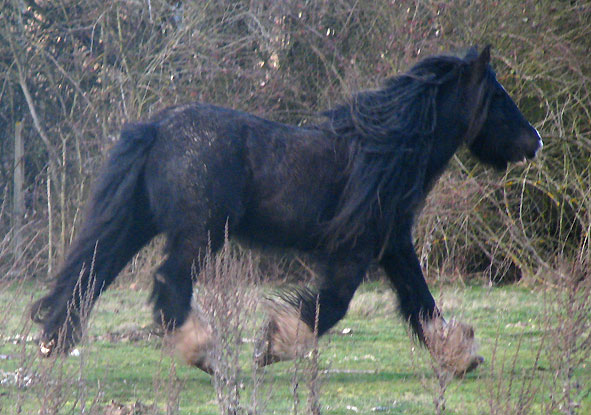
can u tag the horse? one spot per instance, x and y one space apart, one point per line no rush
347 190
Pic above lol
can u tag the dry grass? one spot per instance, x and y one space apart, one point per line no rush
553 383
569 340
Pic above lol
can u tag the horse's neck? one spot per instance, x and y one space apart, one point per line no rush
443 147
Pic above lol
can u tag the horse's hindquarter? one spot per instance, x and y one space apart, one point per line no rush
195 176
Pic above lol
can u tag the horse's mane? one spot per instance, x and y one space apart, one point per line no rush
390 131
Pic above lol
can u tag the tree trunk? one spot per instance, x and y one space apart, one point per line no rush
18 196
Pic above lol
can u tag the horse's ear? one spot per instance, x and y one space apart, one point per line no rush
485 55
479 65
471 54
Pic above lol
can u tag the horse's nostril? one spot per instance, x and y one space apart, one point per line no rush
540 142
539 146
532 154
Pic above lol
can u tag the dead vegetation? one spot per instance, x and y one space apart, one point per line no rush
72 75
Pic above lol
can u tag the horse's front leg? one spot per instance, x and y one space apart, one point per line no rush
403 270
452 344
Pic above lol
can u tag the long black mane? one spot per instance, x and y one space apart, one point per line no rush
390 131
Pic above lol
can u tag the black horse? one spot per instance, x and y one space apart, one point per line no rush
347 190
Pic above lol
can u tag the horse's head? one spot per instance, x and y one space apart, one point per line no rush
498 132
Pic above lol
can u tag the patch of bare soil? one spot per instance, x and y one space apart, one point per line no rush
130 334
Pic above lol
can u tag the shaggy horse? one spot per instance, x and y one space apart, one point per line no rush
347 190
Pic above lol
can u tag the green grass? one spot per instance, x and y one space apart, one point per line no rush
371 370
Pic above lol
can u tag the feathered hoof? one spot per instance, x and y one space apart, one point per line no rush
46 348
265 355
204 365
286 337
51 345
193 342
267 352
475 361
452 346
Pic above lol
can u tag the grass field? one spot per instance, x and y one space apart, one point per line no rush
367 364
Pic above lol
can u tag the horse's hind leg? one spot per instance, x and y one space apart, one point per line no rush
173 289
173 285
301 314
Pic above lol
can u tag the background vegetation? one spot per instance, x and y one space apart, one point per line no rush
72 72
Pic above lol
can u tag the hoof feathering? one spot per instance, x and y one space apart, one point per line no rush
193 342
46 348
452 345
287 336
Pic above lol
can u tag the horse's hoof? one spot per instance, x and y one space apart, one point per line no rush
453 346
45 349
204 365
266 357
193 341
286 336
472 364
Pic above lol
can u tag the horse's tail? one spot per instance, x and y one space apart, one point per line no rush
117 224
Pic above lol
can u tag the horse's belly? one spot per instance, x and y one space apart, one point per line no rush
281 227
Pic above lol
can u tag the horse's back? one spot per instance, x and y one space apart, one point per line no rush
268 181
212 166
295 180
